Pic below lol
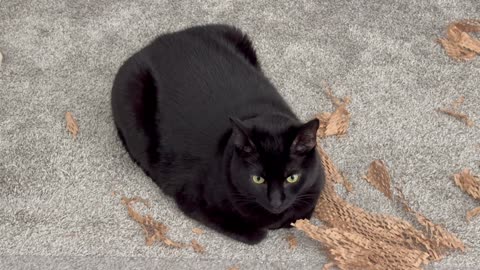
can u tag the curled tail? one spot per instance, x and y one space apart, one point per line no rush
134 108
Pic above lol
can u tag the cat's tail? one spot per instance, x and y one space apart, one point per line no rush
134 106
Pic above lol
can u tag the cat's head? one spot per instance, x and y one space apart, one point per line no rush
275 164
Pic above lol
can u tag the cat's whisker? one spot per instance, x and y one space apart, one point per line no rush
303 201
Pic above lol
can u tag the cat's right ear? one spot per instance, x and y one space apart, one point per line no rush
306 138
240 137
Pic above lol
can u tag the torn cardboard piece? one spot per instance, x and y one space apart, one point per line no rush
336 122
356 239
387 232
453 111
458 44
442 240
72 125
350 250
198 231
331 171
197 247
153 230
292 241
378 177
328 266
473 213
470 184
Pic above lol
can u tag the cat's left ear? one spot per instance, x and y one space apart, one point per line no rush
240 137
306 138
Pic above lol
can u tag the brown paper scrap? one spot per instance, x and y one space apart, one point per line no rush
473 213
152 229
453 111
470 184
292 241
458 44
331 170
356 239
72 125
378 176
442 239
336 122
198 231
197 247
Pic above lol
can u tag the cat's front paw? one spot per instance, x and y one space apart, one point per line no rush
251 237
287 225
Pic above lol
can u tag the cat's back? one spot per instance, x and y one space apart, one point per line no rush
200 77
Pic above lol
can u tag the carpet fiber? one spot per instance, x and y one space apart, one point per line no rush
57 206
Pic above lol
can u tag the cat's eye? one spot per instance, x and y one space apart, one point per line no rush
293 178
258 179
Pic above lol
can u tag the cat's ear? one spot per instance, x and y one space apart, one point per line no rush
241 140
306 138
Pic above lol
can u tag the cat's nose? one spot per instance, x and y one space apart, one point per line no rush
276 203
276 199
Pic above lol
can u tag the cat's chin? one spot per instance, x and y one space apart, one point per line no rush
276 211
262 210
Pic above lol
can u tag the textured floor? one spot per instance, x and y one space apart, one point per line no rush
57 208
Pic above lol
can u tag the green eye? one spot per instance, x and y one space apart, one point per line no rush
257 179
293 178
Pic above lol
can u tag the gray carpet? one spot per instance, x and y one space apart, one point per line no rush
57 208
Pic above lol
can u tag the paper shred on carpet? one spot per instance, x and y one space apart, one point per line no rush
328 266
470 184
292 241
336 122
332 172
197 247
198 231
473 213
378 177
440 239
72 125
458 44
356 239
153 230
453 111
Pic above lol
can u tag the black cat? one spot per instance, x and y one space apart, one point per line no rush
197 114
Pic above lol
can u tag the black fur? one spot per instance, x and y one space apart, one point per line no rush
194 110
